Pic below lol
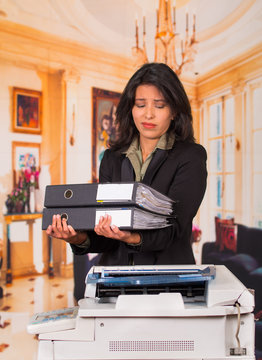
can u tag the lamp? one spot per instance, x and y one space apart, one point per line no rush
166 40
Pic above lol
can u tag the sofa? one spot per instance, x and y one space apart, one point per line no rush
241 252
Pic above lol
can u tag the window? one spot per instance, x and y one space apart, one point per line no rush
256 158
221 157
233 139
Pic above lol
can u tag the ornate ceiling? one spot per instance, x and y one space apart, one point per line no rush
225 29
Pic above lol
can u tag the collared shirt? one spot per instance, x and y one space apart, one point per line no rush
134 154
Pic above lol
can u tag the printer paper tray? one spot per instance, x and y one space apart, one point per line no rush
191 283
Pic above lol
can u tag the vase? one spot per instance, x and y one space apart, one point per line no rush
19 206
38 200
31 207
9 206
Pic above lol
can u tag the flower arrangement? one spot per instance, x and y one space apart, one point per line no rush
28 177
18 195
18 199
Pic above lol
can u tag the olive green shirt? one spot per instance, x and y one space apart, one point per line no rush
134 154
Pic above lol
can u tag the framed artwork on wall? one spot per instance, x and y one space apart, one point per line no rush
25 156
103 127
27 111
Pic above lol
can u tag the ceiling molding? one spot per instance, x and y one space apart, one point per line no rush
241 69
52 53
232 64
228 21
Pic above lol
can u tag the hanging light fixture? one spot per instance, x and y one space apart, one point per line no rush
168 49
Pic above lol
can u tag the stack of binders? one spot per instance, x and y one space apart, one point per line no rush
131 205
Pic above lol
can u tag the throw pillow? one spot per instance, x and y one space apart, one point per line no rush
218 223
228 235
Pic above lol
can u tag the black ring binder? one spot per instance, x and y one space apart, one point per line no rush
64 216
68 194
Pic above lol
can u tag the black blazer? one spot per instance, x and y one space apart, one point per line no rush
179 173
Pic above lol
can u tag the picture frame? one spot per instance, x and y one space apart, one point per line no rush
27 111
24 154
104 106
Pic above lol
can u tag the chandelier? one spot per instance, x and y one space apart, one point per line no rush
170 47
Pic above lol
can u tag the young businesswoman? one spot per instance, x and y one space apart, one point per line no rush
155 145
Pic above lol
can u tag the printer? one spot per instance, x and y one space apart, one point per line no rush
156 312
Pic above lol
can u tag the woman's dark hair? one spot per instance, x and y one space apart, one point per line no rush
166 80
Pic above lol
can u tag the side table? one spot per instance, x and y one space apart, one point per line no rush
9 218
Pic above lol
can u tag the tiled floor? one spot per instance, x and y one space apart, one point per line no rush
21 300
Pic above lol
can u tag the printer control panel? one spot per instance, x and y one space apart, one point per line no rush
55 320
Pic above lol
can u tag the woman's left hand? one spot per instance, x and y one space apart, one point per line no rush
105 228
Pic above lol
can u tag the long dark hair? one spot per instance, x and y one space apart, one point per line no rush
166 80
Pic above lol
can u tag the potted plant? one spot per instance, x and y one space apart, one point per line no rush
15 202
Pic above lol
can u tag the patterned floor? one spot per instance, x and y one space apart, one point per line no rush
26 296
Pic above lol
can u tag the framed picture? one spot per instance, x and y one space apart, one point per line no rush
27 111
25 156
104 107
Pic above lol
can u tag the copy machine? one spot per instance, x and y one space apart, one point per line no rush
156 312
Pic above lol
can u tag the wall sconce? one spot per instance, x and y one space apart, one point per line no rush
72 135
237 145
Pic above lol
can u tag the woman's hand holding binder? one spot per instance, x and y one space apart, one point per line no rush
61 230
105 228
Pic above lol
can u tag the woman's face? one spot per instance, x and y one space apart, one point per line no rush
151 113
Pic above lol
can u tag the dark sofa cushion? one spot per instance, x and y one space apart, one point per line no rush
258 339
207 248
217 258
241 266
257 273
212 255
256 283
249 241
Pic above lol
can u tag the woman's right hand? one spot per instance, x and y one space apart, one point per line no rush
60 230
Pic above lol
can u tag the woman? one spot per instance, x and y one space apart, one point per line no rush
155 145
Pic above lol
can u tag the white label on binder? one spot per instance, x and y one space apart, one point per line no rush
121 217
111 192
